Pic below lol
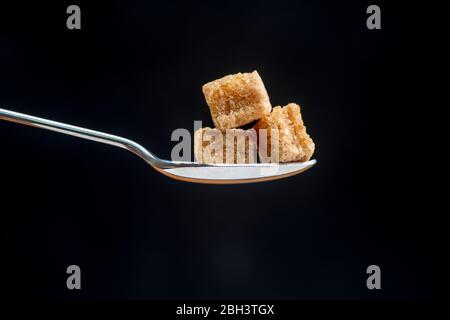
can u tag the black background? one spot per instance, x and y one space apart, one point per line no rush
136 69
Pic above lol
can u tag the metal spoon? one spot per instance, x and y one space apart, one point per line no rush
186 171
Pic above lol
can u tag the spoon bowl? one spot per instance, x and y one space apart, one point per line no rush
235 173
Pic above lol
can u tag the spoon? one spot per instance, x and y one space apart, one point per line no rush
185 171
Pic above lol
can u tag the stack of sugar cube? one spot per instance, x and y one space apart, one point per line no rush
279 134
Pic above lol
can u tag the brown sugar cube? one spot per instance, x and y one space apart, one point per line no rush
231 146
284 126
237 99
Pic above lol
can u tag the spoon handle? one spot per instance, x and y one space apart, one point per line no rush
79 132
